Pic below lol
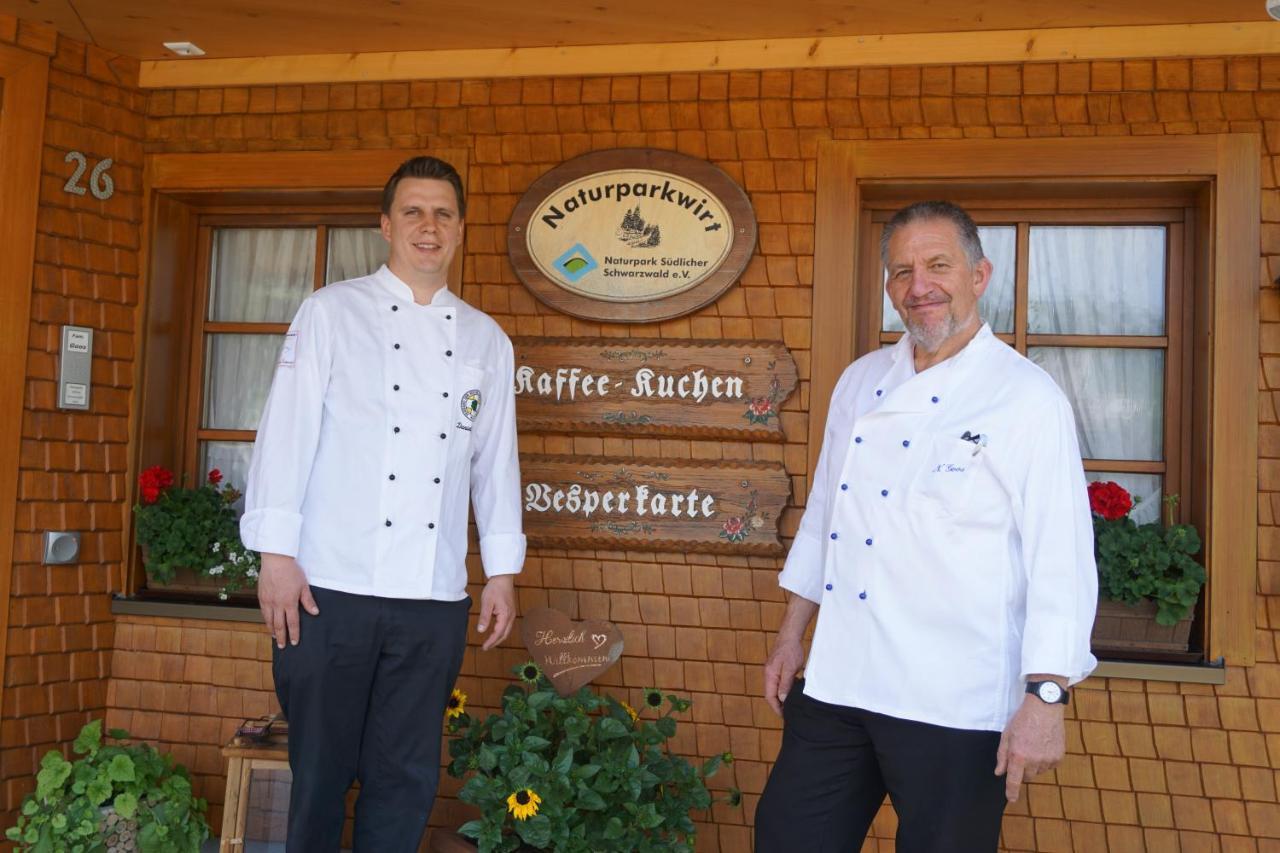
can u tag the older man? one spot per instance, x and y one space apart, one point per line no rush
947 551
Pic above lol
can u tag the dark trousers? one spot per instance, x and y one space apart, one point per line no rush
837 763
365 692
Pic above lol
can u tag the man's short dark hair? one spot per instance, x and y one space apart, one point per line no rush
923 211
424 167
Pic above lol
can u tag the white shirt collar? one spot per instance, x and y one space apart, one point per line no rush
905 347
396 286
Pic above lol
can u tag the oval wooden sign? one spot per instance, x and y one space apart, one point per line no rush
631 235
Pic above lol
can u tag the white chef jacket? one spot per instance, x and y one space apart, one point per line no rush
383 418
947 569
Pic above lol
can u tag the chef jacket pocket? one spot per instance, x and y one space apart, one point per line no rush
949 473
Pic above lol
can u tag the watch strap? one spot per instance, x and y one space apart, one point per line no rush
1034 688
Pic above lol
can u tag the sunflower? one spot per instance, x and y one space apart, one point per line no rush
529 672
653 698
523 804
457 704
631 712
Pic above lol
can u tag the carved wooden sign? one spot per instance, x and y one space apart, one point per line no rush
597 502
570 653
731 389
631 235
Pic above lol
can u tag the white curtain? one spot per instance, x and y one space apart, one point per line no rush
1097 280
354 252
1118 397
261 275
999 244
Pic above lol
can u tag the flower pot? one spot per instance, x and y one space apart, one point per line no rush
1123 627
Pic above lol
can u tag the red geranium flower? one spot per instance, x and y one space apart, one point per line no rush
761 406
153 481
1109 500
733 526
215 476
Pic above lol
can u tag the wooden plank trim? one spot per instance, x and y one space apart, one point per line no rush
25 76
1251 38
835 261
309 170
1233 468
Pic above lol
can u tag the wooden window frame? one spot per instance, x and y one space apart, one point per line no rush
1220 172
186 196
1173 213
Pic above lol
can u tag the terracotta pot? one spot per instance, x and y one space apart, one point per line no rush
1133 627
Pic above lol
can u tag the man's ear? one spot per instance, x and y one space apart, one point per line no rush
981 277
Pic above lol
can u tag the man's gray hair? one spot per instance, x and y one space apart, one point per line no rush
923 211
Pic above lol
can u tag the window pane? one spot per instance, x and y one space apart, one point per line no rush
229 457
1000 245
238 372
1118 397
354 252
260 275
1097 280
1147 491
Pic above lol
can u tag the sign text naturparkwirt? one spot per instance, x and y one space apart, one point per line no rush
631 235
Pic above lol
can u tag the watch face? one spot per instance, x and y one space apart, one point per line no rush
1050 692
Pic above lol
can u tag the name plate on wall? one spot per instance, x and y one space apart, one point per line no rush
596 502
631 235
729 389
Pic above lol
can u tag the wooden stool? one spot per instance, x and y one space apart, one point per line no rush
243 758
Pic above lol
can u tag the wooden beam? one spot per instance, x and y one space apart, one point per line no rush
1233 451
25 77
835 261
990 46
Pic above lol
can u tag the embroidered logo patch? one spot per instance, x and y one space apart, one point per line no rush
289 351
471 404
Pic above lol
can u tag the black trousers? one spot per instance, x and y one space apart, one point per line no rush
837 763
365 692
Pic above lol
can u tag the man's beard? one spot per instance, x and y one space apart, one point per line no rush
931 336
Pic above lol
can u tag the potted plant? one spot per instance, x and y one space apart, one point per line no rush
114 797
1148 583
585 773
195 529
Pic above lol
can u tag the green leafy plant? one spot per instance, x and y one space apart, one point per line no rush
65 813
1144 561
578 774
193 528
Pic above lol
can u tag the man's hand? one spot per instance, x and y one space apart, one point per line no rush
497 604
780 671
1034 742
788 651
282 587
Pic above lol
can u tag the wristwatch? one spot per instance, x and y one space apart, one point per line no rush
1049 692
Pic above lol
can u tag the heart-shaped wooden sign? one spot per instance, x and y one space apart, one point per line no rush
570 653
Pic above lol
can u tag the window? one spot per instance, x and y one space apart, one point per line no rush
235 242
1199 400
253 276
1095 298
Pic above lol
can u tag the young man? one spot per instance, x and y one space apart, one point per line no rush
947 550
392 405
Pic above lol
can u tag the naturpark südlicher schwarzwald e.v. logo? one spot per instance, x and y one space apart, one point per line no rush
639 236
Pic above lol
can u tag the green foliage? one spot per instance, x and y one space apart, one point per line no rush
64 813
1152 560
198 529
607 781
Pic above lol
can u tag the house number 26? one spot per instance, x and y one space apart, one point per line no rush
100 183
